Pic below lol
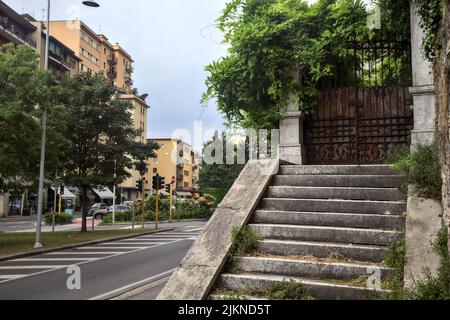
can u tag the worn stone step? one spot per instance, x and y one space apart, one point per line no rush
317 289
352 220
308 269
338 170
346 193
327 234
368 181
370 253
347 206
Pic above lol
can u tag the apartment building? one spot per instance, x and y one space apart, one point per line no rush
97 54
179 160
14 28
63 61
140 108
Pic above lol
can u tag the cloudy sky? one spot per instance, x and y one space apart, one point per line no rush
170 40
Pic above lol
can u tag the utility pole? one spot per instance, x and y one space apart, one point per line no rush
114 191
38 242
143 203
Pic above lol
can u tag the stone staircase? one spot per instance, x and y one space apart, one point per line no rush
325 227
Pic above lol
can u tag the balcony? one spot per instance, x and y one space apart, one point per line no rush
112 60
14 33
129 81
129 68
112 73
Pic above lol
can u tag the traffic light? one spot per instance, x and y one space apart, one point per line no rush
139 185
155 181
168 188
162 183
61 190
142 168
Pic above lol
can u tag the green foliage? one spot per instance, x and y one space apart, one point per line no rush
435 287
281 49
243 241
430 12
103 139
288 290
422 168
60 218
24 90
218 193
396 259
183 210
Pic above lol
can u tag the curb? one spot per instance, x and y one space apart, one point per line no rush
152 222
78 245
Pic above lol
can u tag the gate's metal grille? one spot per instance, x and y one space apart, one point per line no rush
360 119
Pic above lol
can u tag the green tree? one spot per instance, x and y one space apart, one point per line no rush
100 131
217 178
24 89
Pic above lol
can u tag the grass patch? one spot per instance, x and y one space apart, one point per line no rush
396 259
422 168
12 243
288 290
243 241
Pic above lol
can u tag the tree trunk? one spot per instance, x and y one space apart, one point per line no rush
84 208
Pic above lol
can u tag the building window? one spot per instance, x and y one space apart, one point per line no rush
155 170
186 173
186 185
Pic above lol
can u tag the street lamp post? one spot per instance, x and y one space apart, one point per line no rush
114 191
38 243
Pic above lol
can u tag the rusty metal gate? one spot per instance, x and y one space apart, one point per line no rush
360 119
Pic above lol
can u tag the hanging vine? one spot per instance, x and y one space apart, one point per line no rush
269 39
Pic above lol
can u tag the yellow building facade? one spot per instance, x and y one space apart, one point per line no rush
97 55
176 159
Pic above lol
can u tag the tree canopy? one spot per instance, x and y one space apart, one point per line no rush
101 136
24 89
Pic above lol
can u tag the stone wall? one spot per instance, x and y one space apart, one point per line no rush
442 82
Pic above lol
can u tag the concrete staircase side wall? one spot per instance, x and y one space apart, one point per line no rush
200 268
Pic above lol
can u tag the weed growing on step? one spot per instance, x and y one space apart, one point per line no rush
396 259
434 287
422 168
243 241
288 290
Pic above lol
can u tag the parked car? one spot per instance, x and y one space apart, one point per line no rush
129 204
98 211
119 208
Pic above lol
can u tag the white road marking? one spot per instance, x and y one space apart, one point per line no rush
30 267
135 243
193 230
54 259
81 253
118 291
112 248
12 276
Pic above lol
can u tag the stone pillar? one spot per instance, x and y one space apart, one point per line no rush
291 134
423 87
4 205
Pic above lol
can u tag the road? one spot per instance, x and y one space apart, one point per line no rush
108 270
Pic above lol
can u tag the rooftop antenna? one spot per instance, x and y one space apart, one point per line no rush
22 6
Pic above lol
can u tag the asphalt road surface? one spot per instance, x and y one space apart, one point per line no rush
107 270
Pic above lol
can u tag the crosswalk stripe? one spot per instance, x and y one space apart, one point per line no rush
31 267
136 243
112 248
81 253
54 259
193 230
12 276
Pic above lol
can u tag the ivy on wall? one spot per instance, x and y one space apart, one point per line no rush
430 12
